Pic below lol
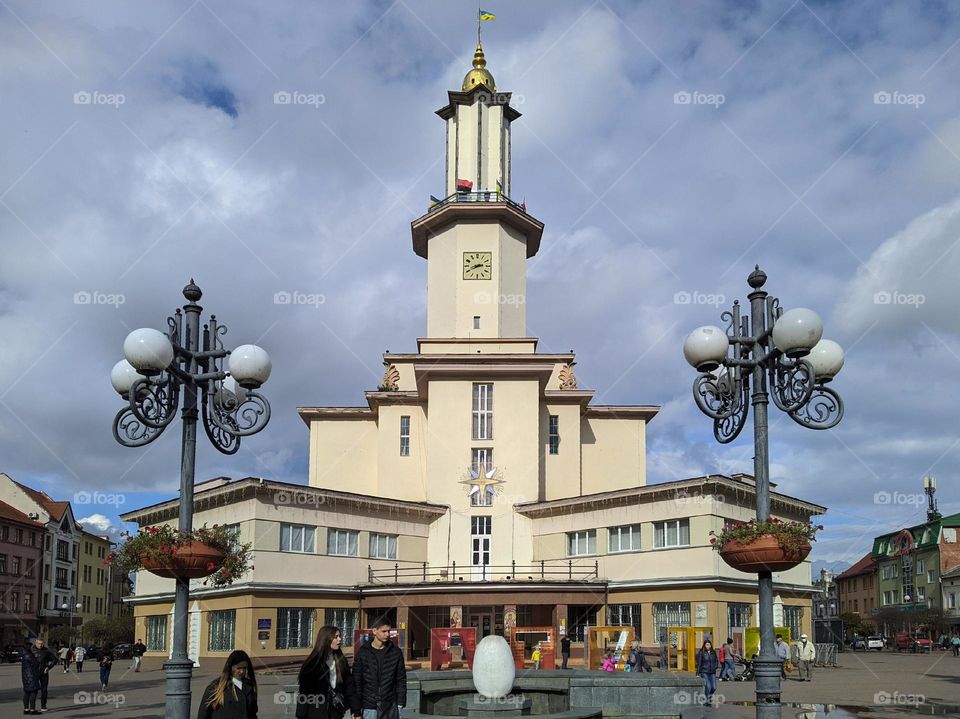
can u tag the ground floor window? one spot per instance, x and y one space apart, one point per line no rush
738 615
625 615
294 628
669 614
346 621
375 614
222 626
524 615
157 633
438 617
579 617
792 617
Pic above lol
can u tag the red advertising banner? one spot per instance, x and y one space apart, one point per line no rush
452 645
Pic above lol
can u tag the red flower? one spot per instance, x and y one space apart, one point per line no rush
211 566
713 540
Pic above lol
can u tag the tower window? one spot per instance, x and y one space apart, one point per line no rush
554 427
483 410
476 322
405 436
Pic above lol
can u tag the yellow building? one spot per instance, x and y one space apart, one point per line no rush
479 483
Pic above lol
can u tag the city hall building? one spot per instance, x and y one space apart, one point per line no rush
479 485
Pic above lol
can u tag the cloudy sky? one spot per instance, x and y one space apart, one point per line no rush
667 146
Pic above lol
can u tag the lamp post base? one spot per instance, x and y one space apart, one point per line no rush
179 673
767 669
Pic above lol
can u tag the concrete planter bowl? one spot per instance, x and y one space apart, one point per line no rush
190 561
762 554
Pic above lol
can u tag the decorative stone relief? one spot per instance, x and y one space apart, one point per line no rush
567 378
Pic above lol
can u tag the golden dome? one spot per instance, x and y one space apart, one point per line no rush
479 75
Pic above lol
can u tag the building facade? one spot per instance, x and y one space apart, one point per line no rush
911 562
479 485
21 539
858 590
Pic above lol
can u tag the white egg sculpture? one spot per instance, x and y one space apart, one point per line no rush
493 669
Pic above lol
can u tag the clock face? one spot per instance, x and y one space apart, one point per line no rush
477 265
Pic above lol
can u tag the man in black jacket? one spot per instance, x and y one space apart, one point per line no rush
46 660
379 675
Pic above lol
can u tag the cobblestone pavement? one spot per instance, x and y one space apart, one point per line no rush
874 685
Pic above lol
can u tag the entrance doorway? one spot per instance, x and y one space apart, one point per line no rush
482 619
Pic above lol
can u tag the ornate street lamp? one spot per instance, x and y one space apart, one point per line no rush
769 352
160 370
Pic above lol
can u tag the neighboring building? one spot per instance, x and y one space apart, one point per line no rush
912 561
479 485
857 588
826 600
120 590
93 593
61 548
951 598
21 539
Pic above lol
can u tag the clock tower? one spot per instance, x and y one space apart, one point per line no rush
476 240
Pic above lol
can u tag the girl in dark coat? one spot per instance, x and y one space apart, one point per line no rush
707 663
326 691
232 695
29 677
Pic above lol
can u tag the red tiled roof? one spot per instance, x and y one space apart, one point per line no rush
56 509
15 515
862 567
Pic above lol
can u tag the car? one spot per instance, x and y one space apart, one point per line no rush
874 643
122 651
858 643
913 642
10 654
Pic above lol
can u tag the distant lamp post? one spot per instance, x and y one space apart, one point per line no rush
769 352
70 608
188 361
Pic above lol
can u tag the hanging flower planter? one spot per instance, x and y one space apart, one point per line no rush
191 560
773 545
762 554
212 552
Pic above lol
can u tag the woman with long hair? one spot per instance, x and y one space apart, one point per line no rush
232 695
707 663
326 691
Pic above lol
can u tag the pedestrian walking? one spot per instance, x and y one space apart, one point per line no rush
955 643
79 654
535 656
232 695
728 672
65 658
29 676
325 688
106 664
138 650
806 654
707 664
783 654
565 650
379 675
46 660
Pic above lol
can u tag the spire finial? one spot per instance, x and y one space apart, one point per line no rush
479 75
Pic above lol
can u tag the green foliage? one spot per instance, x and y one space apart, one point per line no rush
792 536
160 544
101 631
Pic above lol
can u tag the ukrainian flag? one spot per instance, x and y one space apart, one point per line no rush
499 187
434 201
484 15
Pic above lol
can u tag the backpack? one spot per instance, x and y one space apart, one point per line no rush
721 654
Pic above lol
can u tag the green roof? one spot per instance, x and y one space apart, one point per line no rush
926 535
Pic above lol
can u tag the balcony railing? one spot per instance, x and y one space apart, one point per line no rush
484 196
554 571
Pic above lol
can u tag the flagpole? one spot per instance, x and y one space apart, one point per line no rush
478 22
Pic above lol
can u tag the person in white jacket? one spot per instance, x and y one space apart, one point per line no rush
806 654
79 654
